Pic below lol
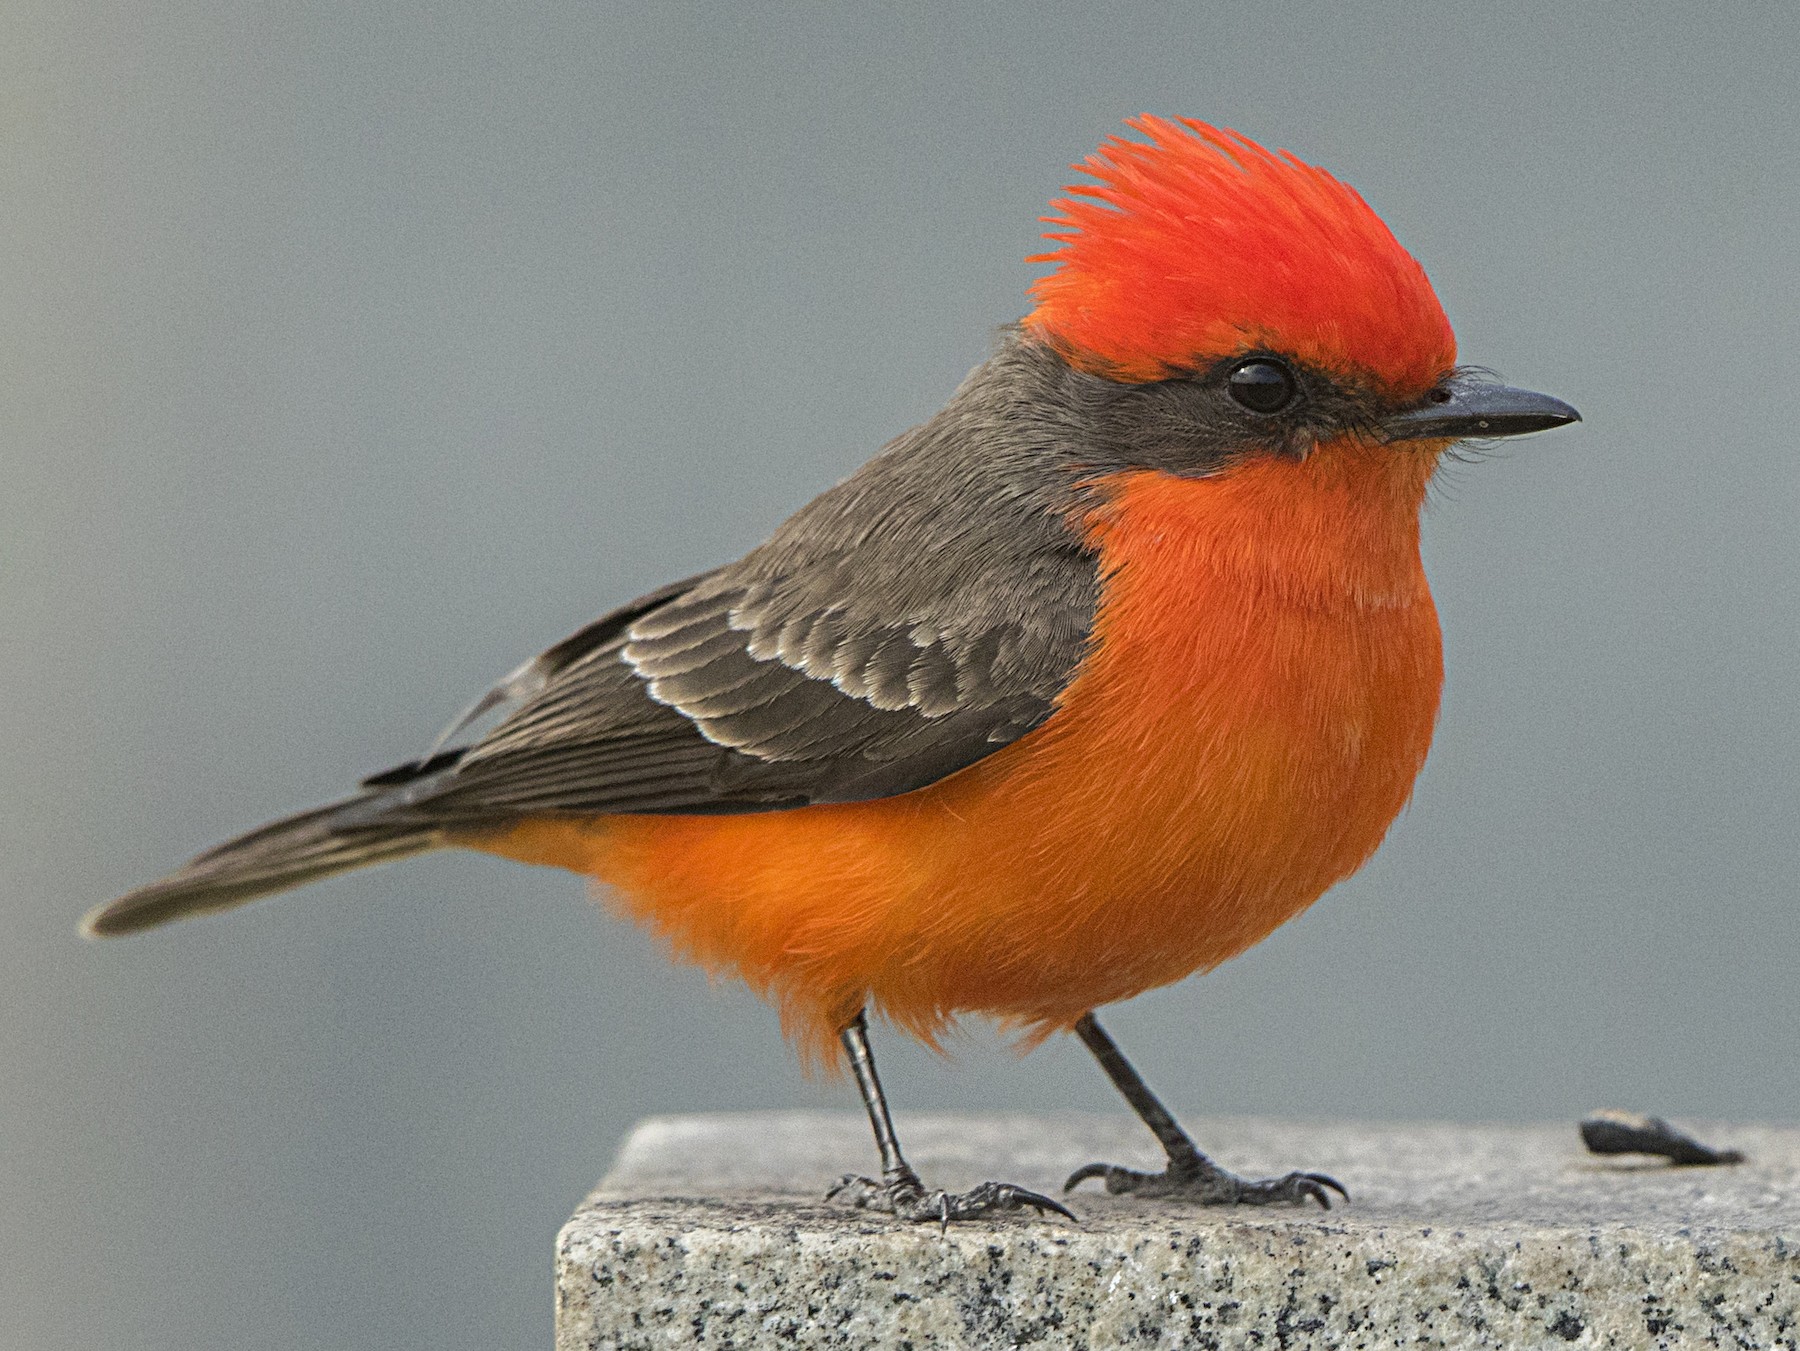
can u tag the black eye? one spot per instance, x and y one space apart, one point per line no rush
1262 386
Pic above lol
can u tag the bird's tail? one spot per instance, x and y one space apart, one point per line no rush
353 833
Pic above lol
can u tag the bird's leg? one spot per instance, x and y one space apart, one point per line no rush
900 1192
1190 1176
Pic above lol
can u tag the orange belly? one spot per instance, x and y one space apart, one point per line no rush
1258 701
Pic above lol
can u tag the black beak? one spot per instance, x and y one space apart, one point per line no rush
1463 408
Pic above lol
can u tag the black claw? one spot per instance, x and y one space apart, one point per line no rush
1209 1185
1297 1188
1313 1186
1318 1193
906 1199
1083 1173
1005 1196
1045 1205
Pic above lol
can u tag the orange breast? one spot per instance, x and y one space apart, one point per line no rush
1257 703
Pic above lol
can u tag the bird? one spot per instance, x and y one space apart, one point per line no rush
1084 685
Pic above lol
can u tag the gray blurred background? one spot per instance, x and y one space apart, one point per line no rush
350 353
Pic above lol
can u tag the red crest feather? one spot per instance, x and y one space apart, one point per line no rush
1201 244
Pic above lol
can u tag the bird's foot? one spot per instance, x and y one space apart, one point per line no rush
1202 1182
902 1195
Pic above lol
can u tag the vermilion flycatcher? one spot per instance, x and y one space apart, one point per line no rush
1084 685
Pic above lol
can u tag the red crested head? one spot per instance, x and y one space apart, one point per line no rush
1200 244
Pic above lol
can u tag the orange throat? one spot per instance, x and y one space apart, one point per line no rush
1257 702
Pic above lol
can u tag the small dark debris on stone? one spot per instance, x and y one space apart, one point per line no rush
1616 1132
1567 1326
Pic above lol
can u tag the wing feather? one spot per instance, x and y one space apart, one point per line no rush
902 626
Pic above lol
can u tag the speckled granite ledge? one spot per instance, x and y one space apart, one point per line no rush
709 1232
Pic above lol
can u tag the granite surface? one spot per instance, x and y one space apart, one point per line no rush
710 1232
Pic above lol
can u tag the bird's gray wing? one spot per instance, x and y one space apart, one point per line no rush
697 707
901 627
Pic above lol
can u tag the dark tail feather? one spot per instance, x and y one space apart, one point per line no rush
279 856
